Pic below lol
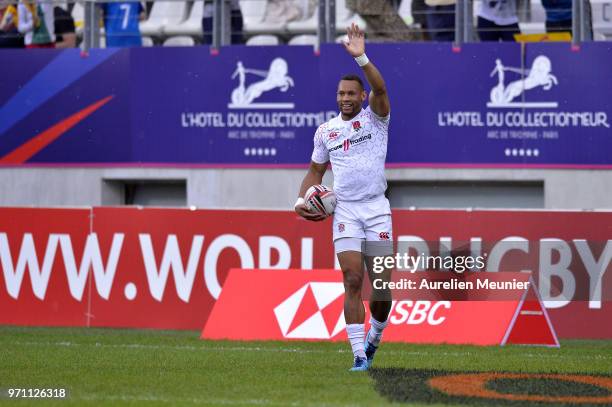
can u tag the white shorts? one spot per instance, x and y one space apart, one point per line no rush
359 222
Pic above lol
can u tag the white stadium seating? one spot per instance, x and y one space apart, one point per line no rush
191 26
177 19
308 25
179 41
304 39
164 13
147 42
263 39
253 12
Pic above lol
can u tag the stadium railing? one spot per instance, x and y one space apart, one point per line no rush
319 21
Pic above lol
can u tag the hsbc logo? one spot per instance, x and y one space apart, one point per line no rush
315 311
418 312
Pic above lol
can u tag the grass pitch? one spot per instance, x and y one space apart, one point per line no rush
139 367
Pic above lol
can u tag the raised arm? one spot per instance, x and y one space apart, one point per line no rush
314 176
378 100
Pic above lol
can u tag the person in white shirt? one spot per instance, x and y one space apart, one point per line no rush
37 23
355 142
498 20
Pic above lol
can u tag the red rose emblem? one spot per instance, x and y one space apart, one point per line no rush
356 125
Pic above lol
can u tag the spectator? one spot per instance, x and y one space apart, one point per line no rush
384 23
10 37
498 20
558 15
121 23
418 9
236 22
36 23
65 35
441 20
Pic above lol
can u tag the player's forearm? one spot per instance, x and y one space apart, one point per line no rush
374 78
311 178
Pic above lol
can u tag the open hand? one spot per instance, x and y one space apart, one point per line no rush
356 41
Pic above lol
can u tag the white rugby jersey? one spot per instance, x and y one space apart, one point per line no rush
357 149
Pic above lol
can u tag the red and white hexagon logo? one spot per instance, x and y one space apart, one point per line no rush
315 311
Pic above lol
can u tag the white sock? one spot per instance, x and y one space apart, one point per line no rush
355 334
376 331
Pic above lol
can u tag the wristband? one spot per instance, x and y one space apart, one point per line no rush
300 201
362 60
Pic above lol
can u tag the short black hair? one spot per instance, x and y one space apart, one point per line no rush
353 77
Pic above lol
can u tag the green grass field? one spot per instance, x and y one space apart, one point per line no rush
137 367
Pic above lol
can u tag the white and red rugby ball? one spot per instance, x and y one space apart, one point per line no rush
320 199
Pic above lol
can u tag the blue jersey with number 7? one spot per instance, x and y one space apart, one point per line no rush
121 24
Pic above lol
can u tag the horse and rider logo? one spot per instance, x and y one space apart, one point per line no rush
503 95
276 76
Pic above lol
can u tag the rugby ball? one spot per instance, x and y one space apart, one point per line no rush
320 199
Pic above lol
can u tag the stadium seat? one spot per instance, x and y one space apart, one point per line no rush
162 14
253 12
304 39
191 26
306 26
147 42
263 39
533 27
179 41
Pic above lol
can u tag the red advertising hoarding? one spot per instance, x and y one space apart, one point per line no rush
308 305
164 268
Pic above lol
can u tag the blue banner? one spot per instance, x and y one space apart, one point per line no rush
487 105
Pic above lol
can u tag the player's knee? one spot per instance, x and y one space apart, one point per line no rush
353 280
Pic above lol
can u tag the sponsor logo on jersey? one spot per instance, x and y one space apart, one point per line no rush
333 135
346 144
383 235
340 227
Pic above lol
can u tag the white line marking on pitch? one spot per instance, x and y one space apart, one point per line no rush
280 350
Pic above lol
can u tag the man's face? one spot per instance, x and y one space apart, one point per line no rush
350 97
